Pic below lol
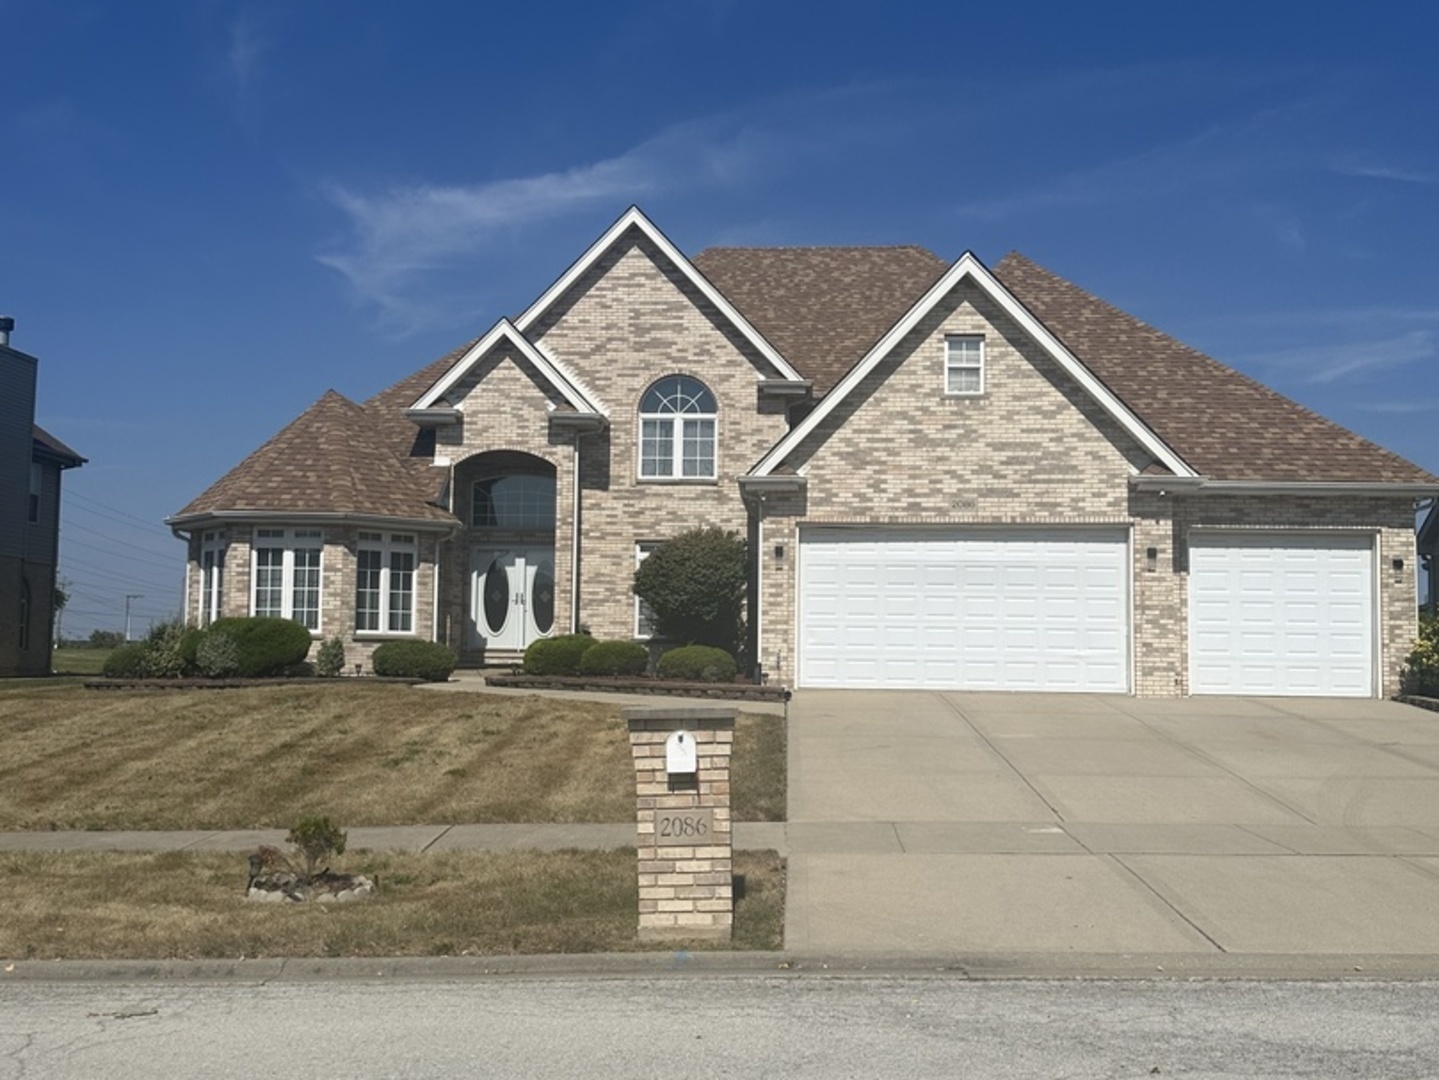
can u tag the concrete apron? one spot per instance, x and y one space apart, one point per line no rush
965 824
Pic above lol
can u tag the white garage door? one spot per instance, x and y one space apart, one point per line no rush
976 610
1281 614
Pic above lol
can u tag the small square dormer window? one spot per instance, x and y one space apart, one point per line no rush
964 364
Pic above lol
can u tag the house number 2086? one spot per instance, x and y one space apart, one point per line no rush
683 826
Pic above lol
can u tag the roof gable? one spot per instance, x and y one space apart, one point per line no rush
634 219
1227 425
822 307
504 332
328 461
969 268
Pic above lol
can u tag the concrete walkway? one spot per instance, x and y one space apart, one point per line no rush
951 824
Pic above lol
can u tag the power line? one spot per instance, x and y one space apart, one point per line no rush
108 536
116 511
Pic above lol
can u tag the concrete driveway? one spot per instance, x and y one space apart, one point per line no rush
959 824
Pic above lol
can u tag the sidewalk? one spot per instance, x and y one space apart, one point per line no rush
414 838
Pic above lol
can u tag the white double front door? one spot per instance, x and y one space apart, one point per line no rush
512 596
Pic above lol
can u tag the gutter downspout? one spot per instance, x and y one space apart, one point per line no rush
575 537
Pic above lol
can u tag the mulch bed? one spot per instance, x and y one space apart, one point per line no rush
729 691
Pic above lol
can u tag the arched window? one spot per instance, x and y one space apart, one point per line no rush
677 430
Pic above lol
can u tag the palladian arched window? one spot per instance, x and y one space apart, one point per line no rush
677 430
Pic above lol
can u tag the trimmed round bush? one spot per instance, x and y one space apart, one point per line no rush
557 655
126 662
264 646
615 658
697 663
427 660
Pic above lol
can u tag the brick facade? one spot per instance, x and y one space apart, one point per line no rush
1034 450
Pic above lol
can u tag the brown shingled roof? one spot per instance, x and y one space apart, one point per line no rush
1224 424
821 307
331 459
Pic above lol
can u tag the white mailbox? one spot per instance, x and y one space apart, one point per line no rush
680 756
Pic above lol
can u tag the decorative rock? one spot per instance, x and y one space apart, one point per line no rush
324 888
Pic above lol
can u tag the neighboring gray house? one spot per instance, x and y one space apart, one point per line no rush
950 477
31 461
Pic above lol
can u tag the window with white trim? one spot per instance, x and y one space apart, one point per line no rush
286 575
385 583
644 616
678 418
212 577
964 364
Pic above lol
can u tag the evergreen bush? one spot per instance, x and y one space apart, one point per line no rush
126 662
330 657
697 663
217 656
1421 668
695 586
427 660
265 646
615 658
559 655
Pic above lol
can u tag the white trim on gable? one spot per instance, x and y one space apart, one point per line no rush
634 218
504 330
969 267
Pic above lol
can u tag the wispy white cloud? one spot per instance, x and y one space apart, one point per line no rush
1370 171
1402 406
399 236
1325 364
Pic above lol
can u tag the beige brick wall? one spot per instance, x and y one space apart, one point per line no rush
630 321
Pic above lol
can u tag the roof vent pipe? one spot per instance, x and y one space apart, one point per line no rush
6 325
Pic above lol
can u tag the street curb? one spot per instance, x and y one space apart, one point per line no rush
982 967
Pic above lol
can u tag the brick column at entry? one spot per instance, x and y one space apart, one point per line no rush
684 838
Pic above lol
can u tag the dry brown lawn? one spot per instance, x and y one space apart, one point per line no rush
363 754
184 905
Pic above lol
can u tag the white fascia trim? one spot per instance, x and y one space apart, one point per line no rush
504 330
1207 486
970 267
634 218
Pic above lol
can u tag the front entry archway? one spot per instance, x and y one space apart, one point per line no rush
508 501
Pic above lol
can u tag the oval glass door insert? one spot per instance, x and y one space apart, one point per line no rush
497 598
542 597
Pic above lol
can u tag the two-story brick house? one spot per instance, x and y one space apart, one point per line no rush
949 476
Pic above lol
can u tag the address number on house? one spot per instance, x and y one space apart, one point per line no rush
683 828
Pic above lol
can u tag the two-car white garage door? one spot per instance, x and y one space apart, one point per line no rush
973 610
1049 609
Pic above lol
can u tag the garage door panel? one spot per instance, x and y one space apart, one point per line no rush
1274 613
964 610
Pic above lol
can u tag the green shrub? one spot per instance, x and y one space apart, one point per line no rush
697 663
428 660
126 662
317 838
170 650
615 658
557 655
1421 668
330 657
265 646
695 586
217 656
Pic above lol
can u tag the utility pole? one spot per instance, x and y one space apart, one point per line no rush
128 598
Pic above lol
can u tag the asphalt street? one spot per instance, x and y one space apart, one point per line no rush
679 1027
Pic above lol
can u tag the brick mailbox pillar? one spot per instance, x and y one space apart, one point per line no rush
686 866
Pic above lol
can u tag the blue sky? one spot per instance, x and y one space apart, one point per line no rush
214 210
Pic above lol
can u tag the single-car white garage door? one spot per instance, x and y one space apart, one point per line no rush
1020 609
1281 613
